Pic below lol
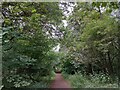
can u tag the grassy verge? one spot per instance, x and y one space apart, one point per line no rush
96 81
44 83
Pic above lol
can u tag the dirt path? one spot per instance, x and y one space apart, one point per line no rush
59 82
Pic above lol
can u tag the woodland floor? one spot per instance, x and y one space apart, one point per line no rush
59 82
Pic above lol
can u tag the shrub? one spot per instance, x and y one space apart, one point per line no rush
79 80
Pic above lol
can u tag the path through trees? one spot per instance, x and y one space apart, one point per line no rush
59 82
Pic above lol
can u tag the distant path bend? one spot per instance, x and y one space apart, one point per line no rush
60 82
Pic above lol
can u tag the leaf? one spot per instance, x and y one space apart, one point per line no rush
33 11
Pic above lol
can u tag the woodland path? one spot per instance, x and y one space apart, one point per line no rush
60 82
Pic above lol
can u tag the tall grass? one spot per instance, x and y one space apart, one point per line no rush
79 80
45 81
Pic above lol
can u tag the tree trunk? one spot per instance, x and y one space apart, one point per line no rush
89 69
109 65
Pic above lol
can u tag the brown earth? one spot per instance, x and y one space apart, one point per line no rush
60 82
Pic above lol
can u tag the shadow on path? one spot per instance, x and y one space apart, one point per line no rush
60 82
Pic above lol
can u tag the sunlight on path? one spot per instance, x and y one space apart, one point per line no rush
60 82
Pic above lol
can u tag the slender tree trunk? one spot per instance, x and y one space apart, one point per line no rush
109 65
119 63
119 57
89 69
104 63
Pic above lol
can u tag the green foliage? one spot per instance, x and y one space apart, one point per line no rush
79 80
71 65
90 44
45 83
18 81
91 39
27 50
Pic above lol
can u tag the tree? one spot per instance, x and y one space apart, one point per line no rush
26 46
92 35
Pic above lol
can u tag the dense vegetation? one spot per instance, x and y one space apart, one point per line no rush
27 54
92 41
89 45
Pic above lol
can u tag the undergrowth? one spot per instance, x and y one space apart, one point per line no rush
79 80
45 82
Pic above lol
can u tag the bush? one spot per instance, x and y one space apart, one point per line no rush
79 80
